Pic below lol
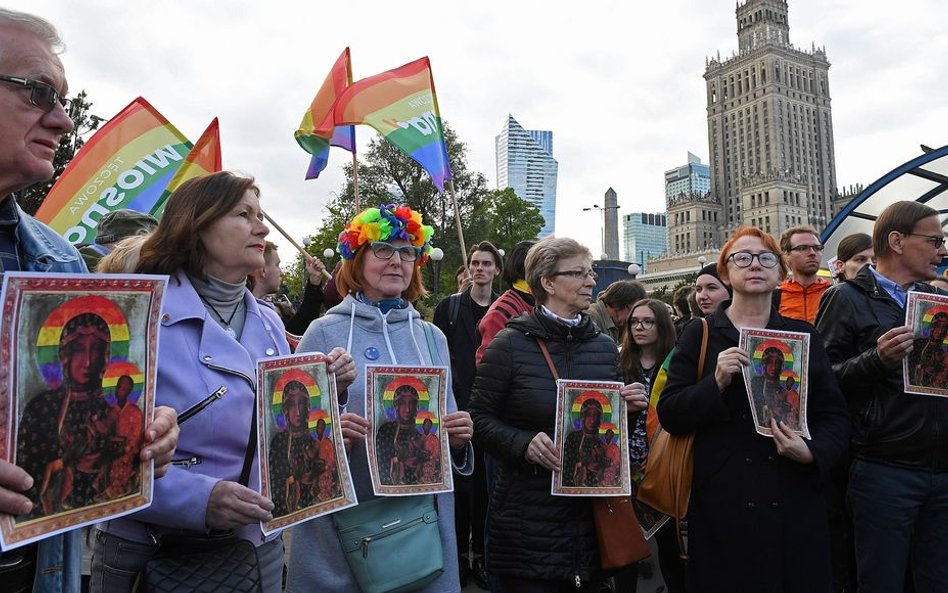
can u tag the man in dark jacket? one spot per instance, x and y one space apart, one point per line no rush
458 316
898 485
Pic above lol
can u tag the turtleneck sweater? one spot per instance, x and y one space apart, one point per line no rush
224 302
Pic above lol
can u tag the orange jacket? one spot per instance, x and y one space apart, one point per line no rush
801 303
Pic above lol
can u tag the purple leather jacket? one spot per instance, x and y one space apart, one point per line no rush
195 360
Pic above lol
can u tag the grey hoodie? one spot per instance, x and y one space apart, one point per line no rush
316 561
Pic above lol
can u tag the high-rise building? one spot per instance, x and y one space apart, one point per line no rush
770 126
645 237
525 163
690 178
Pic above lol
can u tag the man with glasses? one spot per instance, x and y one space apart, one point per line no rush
33 118
799 296
898 487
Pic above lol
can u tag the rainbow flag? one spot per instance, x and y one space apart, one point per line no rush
203 159
317 132
402 106
127 163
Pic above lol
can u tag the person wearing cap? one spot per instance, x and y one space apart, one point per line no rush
384 250
709 290
113 227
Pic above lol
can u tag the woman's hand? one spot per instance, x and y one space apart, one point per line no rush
635 396
460 428
161 438
542 452
354 428
341 364
790 444
232 505
730 362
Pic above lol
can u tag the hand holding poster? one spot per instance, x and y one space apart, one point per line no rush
925 369
776 378
79 393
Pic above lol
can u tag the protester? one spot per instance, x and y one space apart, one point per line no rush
35 108
123 259
112 228
799 295
709 290
756 520
266 281
377 323
612 307
512 302
536 541
898 482
458 316
680 302
648 338
853 252
210 238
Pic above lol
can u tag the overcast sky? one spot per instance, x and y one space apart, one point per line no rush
619 83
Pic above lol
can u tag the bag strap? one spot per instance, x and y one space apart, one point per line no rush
429 337
549 361
704 346
251 447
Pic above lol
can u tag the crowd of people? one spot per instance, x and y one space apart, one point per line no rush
860 505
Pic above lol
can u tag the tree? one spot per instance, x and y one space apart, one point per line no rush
511 219
84 123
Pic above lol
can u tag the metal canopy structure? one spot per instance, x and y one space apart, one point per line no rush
923 179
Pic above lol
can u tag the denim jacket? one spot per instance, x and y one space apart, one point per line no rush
58 558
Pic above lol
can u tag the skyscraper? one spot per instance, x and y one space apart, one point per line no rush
525 163
646 237
694 214
770 126
690 178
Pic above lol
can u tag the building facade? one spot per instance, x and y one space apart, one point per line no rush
690 178
645 237
770 127
525 163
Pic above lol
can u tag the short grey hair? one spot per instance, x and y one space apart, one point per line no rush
38 26
543 258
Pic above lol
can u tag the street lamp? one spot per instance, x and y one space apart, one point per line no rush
602 234
437 254
701 261
634 270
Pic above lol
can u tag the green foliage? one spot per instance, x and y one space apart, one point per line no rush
32 197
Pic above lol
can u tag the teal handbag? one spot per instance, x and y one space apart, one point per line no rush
392 543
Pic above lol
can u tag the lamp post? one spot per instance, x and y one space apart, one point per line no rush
701 261
437 254
634 270
602 234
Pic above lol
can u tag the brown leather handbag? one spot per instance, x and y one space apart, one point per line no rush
669 469
620 537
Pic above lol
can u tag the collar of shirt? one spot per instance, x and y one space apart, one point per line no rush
8 214
891 288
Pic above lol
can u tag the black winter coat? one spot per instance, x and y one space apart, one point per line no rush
757 521
889 426
532 534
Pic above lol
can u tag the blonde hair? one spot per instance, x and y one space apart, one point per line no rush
123 259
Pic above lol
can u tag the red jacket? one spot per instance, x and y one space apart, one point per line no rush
507 306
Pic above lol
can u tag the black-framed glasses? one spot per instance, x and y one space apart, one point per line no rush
645 323
42 95
743 259
934 240
805 248
383 250
577 274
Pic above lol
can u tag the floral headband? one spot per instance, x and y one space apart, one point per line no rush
386 223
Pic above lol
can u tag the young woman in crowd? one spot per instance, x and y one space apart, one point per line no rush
709 290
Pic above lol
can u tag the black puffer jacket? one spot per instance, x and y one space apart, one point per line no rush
532 534
889 426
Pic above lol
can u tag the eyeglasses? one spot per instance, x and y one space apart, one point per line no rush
934 240
805 248
645 323
743 259
577 274
384 250
42 95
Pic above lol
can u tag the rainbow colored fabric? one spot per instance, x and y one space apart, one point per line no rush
386 223
127 163
203 159
317 131
402 106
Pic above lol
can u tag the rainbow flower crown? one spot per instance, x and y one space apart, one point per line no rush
386 223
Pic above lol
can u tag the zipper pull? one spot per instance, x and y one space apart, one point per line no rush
579 583
365 546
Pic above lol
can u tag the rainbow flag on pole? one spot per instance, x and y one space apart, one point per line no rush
317 132
402 106
127 163
203 159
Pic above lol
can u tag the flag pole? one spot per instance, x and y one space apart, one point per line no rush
355 180
293 242
457 220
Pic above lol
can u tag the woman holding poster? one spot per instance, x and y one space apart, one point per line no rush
756 514
384 250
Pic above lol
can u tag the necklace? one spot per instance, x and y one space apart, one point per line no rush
227 328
